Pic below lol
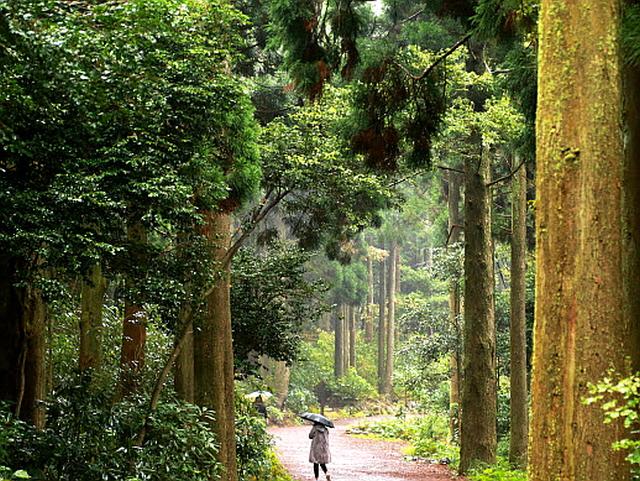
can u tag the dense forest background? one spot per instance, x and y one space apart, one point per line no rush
428 211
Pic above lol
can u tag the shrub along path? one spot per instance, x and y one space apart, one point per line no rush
353 458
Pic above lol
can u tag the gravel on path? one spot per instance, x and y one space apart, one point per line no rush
353 458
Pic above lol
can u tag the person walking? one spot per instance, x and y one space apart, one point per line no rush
319 455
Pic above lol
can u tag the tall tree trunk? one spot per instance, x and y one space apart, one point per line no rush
184 377
92 300
213 347
478 435
368 326
630 209
583 325
352 335
382 325
134 326
281 376
398 285
453 203
338 359
346 336
518 336
387 385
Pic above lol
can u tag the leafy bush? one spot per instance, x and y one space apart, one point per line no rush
300 399
499 472
256 460
621 400
88 438
351 388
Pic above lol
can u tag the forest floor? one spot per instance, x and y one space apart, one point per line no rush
353 458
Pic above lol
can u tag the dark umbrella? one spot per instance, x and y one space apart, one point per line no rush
317 418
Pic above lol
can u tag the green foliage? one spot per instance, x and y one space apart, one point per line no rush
427 434
271 300
631 33
499 472
88 438
620 400
118 115
351 388
330 195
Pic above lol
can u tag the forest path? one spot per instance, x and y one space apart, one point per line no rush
353 458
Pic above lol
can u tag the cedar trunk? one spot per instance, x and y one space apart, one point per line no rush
352 335
453 203
213 347
387 385
338 358
583 320
478 435
183 375
92 300
382 325
134 325
519 411
368 326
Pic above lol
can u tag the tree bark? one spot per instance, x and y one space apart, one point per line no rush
584 324
352 335
92 300
281 377
184 377
338 359
518 336
368 326
134 326
346 336
478 436
387 385
382 325
453 204
213 347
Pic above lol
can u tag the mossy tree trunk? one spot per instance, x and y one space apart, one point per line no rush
478 435
92 300
584 321
213 346
518 336
387 385
455 234
382 324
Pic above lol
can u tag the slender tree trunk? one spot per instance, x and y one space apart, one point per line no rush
478 435
398 285
387 386
92 300
346 336
281 382
453 203
338 360
213 347
134 327
382 325
184 377
368 326
519 397
582 323
352 335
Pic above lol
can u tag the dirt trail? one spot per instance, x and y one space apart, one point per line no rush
353 459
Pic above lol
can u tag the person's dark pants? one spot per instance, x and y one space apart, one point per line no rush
316 470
